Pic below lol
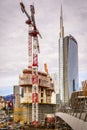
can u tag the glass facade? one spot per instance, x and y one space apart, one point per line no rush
70 66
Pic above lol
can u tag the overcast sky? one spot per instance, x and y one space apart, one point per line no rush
14 38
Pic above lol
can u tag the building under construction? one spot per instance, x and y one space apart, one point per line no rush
23 93
33 103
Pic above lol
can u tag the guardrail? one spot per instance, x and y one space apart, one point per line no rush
73 122
78 113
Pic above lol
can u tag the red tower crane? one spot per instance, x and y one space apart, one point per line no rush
33 50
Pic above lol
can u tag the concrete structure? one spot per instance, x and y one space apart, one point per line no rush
46 87
68 64
79 100
16 91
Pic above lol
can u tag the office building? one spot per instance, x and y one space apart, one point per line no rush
70 72
68 64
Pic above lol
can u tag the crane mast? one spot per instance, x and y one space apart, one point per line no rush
33 50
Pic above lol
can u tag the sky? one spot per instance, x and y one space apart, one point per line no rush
14 37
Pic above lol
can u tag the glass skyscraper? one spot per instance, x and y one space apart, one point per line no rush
68 64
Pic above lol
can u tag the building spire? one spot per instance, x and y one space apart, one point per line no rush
61 11
61 23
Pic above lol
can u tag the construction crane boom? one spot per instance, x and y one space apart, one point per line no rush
24 10
32 18
32 14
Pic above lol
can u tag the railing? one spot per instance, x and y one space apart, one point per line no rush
78 113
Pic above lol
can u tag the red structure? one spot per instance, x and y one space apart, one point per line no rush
33 50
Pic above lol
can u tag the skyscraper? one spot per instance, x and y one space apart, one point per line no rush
68 64
70 71
61 85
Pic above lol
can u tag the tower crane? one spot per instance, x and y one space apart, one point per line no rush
33 50
33 31
29 22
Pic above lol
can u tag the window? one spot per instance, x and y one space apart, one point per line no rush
41 100
41 94
73 85
41 89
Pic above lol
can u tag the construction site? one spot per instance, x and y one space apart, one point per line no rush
33 104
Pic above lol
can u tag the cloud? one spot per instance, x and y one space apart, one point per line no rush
14 34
